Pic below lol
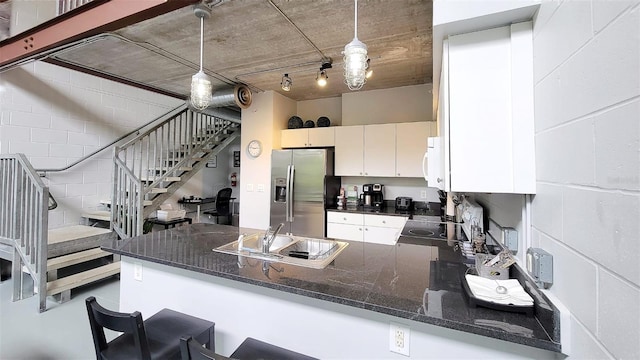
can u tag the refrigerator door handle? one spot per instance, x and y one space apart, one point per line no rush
287 195
290 199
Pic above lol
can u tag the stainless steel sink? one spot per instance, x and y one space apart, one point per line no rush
287 249
253 243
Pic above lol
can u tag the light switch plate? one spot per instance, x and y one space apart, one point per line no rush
260 187
249 187
137 271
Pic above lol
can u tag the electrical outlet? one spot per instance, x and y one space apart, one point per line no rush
137 271
423 194
399 339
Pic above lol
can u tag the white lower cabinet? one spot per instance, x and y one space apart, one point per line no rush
377 229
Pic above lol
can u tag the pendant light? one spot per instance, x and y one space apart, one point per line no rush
200 83
355 59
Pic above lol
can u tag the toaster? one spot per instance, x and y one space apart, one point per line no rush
403 203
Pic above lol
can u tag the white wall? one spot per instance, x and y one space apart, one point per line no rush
401 104
55 116
263 120
313 109
587 207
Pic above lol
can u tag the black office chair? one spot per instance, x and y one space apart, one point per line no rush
250 349
158 337
191 349
223 205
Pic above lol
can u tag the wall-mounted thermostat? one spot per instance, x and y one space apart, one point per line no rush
540 266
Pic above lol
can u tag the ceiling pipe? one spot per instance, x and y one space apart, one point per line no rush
239 95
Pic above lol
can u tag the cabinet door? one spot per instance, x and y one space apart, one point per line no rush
411 145
380 150
294 138
381 235
435 163
324 136
480 111
344 232
349 152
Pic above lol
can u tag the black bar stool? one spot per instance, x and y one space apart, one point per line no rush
158 337
250 349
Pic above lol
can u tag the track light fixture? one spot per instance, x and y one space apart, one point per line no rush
322 76
286 83
355 59
200 83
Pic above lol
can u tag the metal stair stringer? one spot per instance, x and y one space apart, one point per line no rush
187 175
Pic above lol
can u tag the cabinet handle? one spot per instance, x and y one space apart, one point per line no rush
439 180
366 229
359 229
398 174
345 219
384 221
360 173
366 173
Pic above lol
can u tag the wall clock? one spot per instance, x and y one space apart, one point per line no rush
254 148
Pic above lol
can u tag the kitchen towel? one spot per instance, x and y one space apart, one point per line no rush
487 290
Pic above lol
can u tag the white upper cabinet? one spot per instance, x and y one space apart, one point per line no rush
380 150
349 151
311 137
411 145
486 107
384 150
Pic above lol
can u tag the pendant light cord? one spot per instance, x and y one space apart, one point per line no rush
202 39
355 30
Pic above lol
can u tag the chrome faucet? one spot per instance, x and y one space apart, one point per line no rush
269 237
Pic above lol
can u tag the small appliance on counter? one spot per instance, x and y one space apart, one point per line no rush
378 196
404 203
372 196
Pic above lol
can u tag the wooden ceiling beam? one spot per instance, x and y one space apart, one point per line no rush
94 18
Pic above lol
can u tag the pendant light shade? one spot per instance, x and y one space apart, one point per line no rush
201 87
355 59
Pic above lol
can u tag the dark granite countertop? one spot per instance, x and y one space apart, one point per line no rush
417 281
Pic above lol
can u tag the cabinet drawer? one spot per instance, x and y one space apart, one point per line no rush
345 232
344 218
385 221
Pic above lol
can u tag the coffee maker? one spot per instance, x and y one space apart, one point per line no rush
377 196
366 198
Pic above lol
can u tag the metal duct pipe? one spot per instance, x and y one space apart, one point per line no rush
240 95
223 113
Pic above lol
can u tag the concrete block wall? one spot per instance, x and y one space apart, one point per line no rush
55 116
587 208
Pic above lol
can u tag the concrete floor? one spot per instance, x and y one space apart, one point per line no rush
61 332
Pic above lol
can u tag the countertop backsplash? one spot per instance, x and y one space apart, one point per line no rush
394 187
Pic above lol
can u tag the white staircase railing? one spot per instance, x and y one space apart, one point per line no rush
150 167
23 225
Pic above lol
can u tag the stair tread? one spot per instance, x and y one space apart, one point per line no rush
159 190
83 278
154 178
103 215
75 258
74 232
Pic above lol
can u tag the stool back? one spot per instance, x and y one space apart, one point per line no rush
130 324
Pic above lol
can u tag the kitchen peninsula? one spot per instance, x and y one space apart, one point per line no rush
342 311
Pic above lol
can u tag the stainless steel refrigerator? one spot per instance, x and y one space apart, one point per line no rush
302 188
